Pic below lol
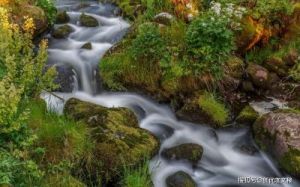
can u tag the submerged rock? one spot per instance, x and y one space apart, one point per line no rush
62 17
118 140
87 46
62 32
247 116
180 179
279 133
191 152
88 21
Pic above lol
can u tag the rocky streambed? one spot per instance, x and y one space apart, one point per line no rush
129 126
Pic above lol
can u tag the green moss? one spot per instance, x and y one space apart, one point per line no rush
213 108
290 161
60 137
247 115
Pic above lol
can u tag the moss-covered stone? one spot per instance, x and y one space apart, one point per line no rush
62 17
118 140
235 67
258 75
277 65
247 116
278 133
62 32
180 179
88 21
191 152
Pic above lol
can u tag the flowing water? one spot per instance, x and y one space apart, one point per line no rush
223 160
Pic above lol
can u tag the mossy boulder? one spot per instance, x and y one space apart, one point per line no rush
277 65
62 17
87 46
88 21
235 67
247 116
180 179
164 18
118 140
62 32
191 152
258 75
278 133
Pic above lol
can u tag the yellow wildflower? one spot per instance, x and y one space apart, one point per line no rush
4 22
28 25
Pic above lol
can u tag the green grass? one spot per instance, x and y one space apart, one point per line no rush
214 108
137 177
60 137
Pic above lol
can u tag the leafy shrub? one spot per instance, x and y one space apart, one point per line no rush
209 43
148 44
213 108
49 8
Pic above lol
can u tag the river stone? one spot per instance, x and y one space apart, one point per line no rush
62 17
191 152
88 21
278 132
247 116
62 32
87 46
118 140
64 78
258 75
164 18
180 179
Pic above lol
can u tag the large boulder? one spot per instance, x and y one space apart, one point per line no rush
258 75
191 152
62 32
88 21
118 140
180 179
278 132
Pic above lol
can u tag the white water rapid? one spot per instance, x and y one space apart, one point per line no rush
223 160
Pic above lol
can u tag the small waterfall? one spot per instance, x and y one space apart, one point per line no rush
222 163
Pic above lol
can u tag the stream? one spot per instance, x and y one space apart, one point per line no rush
223 159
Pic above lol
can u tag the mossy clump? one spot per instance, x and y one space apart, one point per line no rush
290 161
60 138
215 109
118 140
247 116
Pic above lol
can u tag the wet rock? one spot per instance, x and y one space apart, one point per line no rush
118 140
248 149
277 65
278 132
62 17
291 58
164 18
88 21
190 152
180 179
258 75
247 116
87 46
64 78
62 32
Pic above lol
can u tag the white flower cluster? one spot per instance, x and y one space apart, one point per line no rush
230 12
